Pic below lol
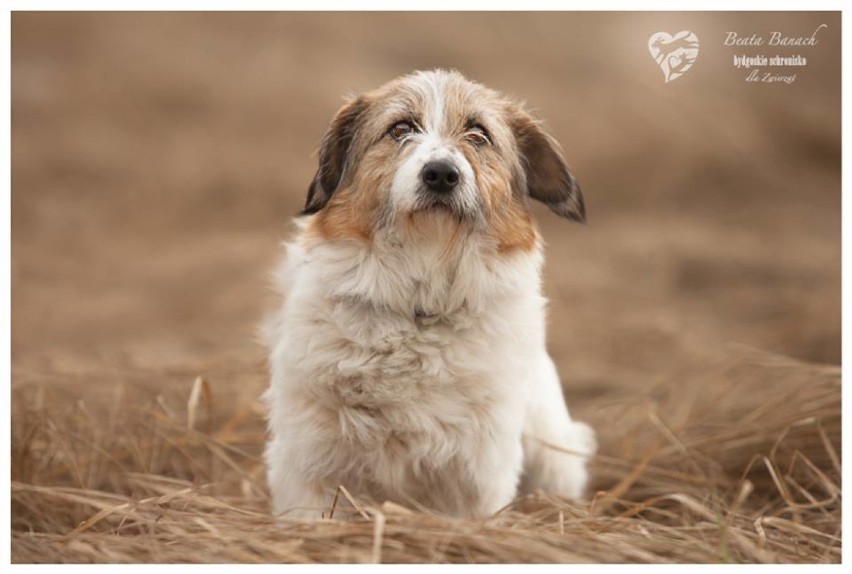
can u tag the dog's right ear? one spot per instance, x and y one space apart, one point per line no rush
333 155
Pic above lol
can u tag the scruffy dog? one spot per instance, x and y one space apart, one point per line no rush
408 357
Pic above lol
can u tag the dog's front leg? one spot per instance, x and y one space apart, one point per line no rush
294 495
494 469
556 448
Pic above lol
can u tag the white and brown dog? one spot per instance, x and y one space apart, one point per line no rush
408 358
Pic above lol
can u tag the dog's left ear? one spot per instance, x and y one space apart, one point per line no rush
333 155
547 174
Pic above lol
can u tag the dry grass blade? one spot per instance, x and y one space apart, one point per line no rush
200 391
378 532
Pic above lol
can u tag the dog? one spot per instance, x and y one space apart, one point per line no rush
407 358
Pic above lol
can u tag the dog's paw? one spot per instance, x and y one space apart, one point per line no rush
583 439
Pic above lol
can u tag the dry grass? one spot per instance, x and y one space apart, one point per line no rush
734 459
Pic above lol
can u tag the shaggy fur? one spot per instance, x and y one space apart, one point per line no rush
408 358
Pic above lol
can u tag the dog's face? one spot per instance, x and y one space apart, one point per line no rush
434 145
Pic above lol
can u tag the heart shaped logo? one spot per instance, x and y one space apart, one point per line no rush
674 54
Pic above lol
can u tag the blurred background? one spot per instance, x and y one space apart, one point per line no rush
158 158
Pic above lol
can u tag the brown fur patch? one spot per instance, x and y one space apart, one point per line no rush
516 231
342 219
510 223
353 211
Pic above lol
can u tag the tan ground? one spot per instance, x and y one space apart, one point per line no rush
695 319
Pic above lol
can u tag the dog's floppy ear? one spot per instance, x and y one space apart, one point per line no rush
333 153
547 175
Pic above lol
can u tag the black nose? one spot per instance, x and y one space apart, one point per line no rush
440 175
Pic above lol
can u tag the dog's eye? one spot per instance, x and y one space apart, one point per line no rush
477 135
401 130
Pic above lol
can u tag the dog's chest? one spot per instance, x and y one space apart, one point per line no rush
388 348
382 361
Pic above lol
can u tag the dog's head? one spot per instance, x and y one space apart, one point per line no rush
436 145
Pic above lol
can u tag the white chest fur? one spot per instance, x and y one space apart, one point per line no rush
402 373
